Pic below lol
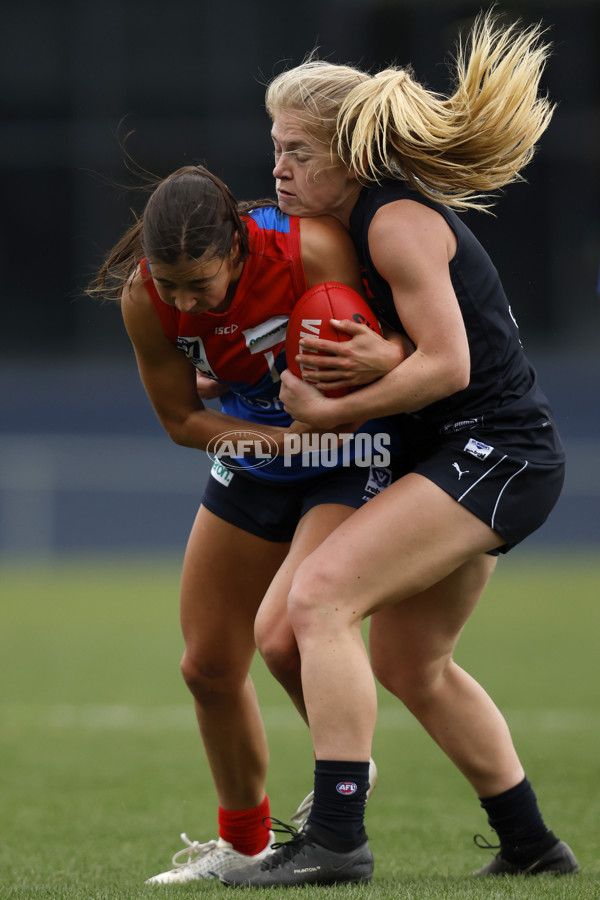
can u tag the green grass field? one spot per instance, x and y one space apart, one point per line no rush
101 767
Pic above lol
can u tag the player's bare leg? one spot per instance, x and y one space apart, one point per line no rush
407 538
225 576
274 636
412 643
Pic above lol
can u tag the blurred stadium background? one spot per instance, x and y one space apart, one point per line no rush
84 465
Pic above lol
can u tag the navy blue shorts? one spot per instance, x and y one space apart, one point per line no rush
272 510
510 493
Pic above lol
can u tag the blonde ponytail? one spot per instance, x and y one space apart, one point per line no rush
460 148
457 149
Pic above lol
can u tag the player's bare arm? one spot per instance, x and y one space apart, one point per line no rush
411 251
170 381
328 254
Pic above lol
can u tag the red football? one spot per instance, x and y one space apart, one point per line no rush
310 318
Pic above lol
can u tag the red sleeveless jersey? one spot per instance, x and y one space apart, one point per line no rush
243 347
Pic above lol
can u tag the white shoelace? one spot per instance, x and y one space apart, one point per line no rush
193 849
303 810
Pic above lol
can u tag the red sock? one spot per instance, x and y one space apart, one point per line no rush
244 827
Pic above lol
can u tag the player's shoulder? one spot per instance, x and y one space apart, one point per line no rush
406 230
135 298
322 233
405 213
134 291
328 252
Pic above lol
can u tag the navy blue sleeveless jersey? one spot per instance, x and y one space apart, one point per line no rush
503 395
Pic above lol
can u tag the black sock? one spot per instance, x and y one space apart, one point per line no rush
515 817
336 817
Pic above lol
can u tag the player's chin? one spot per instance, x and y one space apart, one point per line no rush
290 204
285 200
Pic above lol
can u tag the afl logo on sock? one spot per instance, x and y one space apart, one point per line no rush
346 788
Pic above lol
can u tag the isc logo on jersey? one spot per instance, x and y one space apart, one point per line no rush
225 329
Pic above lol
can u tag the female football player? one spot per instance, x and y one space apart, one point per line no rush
394 162
206 291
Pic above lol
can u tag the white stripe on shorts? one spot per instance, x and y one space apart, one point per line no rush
481 477
508 481
524 466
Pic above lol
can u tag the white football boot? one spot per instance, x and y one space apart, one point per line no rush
301 814
206 861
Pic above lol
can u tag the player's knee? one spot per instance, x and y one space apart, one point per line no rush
313 595
207 679
282 660
395 679
388 672
301 605
416 682
266 635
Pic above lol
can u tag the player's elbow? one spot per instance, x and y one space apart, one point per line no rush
179 438
179 432
444 374
456 371
459 378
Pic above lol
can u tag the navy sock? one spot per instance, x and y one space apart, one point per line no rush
515 817
337 815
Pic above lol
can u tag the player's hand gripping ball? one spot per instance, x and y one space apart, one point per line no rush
310 318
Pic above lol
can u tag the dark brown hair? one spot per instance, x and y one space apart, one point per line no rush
188 213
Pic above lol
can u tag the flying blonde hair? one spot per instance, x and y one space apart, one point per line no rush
456 149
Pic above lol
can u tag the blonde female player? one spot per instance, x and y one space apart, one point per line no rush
394 162
208 289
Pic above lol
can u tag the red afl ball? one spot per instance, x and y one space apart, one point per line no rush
310 318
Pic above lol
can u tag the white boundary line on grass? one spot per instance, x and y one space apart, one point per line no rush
122 717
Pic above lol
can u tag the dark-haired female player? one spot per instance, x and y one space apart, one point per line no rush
206 289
